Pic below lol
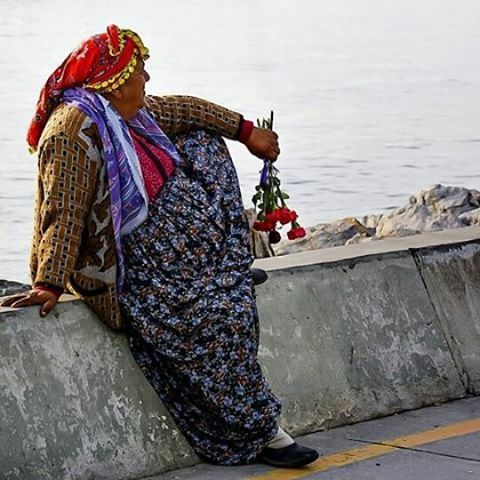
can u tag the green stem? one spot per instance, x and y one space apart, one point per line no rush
282 201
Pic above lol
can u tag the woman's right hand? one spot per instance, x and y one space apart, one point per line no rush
263 143
35 296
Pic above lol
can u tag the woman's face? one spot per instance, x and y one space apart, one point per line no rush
132 92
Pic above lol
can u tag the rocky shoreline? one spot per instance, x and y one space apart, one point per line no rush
436 208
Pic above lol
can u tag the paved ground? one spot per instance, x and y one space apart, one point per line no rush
434 443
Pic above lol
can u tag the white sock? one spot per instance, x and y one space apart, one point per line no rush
282 439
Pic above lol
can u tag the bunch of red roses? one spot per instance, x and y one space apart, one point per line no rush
271 201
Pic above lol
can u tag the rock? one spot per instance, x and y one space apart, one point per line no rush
370 221
360 238
8 287
472 217
325 235
436 208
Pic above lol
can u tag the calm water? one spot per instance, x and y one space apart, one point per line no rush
374 100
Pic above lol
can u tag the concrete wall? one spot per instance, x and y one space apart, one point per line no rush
74 404
348 333
451 275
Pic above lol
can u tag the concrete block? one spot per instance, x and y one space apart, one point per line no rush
75 405
346 335
352 340
452 277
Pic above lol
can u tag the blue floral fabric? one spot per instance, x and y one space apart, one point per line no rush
189 302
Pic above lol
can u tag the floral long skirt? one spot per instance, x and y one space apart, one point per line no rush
190 308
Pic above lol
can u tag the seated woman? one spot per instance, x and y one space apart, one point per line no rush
138 213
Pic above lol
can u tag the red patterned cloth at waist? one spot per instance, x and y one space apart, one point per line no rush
156 165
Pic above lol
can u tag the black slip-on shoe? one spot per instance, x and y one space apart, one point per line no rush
293 456
259 276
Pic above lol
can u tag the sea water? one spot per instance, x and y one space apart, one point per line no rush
373 100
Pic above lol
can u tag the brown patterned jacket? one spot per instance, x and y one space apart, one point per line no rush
73 244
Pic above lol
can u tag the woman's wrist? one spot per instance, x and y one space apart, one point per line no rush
48 288
245 130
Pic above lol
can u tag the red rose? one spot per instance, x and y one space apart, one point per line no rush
285 215
297 232
274 236
264 226
272 216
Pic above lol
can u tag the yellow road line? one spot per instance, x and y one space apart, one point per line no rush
374 450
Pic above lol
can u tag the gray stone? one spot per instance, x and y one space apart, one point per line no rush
471 217
7 287
259 245
325 235
433 209
370 221
436 208
360 238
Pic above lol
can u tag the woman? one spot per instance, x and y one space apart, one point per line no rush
138 213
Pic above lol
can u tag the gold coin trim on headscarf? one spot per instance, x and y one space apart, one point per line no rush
121 77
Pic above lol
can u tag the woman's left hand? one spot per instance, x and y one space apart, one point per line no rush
263 143
35 296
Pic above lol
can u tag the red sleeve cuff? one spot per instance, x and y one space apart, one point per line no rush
245 131
48 288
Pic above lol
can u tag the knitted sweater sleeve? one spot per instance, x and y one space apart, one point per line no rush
66 185
180 114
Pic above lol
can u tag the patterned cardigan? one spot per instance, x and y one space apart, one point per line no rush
73 245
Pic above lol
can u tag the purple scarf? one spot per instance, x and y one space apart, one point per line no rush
128 197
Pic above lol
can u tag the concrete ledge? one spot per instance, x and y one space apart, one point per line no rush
350 341
344 339
389 245
74 403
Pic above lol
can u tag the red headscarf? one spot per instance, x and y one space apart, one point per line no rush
101 63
